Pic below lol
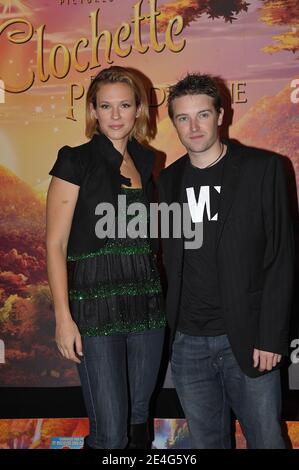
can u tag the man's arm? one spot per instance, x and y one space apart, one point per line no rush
273 331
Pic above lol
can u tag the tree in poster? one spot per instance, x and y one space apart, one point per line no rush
286 13
191 10
272 13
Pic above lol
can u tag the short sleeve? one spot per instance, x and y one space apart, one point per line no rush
68 166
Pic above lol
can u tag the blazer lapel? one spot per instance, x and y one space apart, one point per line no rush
178 180
178 196
228 187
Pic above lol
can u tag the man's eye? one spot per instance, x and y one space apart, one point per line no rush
183 118
204 115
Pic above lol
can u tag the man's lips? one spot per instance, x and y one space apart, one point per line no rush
196 137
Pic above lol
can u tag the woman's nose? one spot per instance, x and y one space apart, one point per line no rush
115 113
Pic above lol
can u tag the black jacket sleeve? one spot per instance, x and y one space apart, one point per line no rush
68 166
278 262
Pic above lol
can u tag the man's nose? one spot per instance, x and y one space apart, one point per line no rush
194 125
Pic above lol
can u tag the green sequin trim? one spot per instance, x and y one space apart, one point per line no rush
132 191
151 286
122 327
115 248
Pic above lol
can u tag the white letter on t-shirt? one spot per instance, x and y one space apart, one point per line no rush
197 208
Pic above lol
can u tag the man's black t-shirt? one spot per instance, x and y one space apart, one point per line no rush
200 310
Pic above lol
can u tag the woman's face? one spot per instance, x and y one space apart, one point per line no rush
116 111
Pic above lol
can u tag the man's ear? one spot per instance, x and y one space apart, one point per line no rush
220 117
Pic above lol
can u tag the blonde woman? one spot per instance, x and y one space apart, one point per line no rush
106 291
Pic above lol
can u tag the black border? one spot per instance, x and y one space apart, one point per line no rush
67 402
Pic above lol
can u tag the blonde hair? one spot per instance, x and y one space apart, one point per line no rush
116 74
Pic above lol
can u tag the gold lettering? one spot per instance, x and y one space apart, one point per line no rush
96 39
19 37
117 38
62 59
153 26
66 61
40 54
74 55
154 102
236 92
72 98
137 33
241 92
168 35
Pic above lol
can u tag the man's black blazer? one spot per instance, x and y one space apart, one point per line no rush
255 251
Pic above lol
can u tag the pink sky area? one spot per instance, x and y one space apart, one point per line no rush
233 51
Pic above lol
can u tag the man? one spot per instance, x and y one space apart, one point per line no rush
228 302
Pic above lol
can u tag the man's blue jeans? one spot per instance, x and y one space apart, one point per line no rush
113 369
210 383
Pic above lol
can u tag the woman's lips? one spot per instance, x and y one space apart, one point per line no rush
116 127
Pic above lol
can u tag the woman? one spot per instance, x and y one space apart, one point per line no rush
106 290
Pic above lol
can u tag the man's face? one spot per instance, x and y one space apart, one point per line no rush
196 121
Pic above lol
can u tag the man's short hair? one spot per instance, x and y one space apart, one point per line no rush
194 84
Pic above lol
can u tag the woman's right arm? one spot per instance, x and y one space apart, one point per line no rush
61 201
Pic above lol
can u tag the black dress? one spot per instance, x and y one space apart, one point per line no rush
117 289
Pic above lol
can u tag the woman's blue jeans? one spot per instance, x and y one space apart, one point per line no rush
210 383
115 369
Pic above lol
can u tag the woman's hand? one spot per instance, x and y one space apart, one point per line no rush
68 340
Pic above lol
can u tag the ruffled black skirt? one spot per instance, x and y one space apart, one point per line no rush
117 289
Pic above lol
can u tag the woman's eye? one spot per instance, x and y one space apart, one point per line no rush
104 106
126 105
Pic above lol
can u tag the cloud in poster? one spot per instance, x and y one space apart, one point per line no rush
270 71
8 156
9 8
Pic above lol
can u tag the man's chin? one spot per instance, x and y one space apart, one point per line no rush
198 148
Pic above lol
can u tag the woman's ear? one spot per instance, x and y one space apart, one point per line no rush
92 111
138 111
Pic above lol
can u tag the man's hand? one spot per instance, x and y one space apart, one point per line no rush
265 360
